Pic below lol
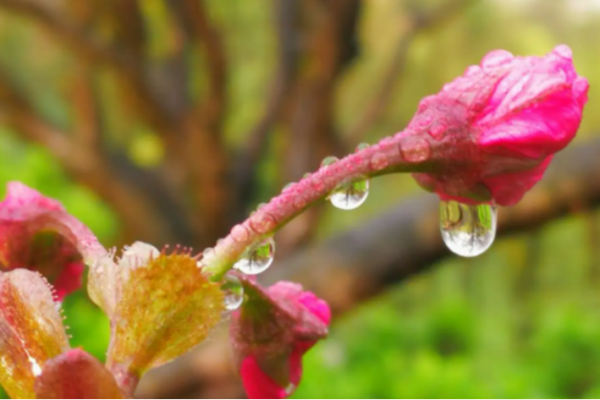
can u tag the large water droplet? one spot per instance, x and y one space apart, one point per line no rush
257 259
467 230
328 161
234 292
349 196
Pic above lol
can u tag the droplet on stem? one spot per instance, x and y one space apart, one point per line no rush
257 259
362 146
234 292
328 161
467 230
349 196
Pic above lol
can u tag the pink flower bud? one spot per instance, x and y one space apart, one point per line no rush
270 334
493 131
37 233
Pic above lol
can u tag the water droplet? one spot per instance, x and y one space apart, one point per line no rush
496 58
234 292
386 141
415 149
379 161
257 259
299 202
563 51
318 184
349 196
472 70
239 233
207 255
328 161
362 146
262 222
290 389
437 130
467 230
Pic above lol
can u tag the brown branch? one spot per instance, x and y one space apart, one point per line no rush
244 170
418 24
214 106
65 32
92 52
136 195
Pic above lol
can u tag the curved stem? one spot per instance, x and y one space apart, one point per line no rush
383 158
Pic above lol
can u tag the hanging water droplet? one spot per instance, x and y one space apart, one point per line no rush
257 259
290 389
349 196
362 146
467 230
234 292
328 161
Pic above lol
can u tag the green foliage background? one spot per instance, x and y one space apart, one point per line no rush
520 321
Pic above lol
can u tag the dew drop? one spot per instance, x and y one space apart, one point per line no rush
257 259
379 161
349 196
362 146
290 389
234 292
563 51
239 233
437 130
328 161
415 149
496 58
467 230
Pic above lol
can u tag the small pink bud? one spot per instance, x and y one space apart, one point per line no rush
270 334
76 375
493 131
37 233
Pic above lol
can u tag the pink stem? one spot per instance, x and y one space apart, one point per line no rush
392 154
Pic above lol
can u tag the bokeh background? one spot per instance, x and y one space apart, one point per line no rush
168 121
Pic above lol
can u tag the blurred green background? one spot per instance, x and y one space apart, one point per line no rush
523 320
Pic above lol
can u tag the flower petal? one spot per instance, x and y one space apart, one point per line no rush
271 332
31 330
164 307
37 233
76 375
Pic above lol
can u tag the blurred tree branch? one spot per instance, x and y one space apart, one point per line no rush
419 23
83 156
244 172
